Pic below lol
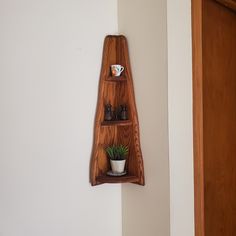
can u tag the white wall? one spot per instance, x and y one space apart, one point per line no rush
180 117
146 209
50 55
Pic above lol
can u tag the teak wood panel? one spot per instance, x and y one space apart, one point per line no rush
116 91
214 87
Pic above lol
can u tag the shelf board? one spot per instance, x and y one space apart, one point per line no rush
121 78
117 179
117 123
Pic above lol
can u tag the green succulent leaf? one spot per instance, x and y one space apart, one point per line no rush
117 152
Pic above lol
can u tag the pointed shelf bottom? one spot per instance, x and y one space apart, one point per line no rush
117 179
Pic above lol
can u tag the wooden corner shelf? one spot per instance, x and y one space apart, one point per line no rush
116 91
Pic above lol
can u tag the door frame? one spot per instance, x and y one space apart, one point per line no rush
198 116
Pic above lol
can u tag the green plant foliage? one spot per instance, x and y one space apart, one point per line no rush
117 152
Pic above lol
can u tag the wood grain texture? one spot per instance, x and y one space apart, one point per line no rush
214 103
117 91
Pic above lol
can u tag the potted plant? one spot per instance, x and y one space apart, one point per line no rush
117 155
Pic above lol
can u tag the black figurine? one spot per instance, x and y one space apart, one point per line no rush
108 112
123 112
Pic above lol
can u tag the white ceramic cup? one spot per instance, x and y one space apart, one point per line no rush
116 70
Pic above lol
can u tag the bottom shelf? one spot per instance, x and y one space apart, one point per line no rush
117 179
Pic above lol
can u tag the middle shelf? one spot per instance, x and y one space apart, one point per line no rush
117 123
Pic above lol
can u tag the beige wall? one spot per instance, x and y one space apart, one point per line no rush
180 117
145 210
50 57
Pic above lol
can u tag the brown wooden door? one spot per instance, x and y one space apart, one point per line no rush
214 63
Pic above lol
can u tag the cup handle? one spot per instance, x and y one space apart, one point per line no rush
122 68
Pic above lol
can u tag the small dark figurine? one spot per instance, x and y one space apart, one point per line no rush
108 112
123 112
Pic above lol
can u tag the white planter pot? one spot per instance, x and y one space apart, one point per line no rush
117 166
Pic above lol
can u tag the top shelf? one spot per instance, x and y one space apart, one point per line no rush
121 78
